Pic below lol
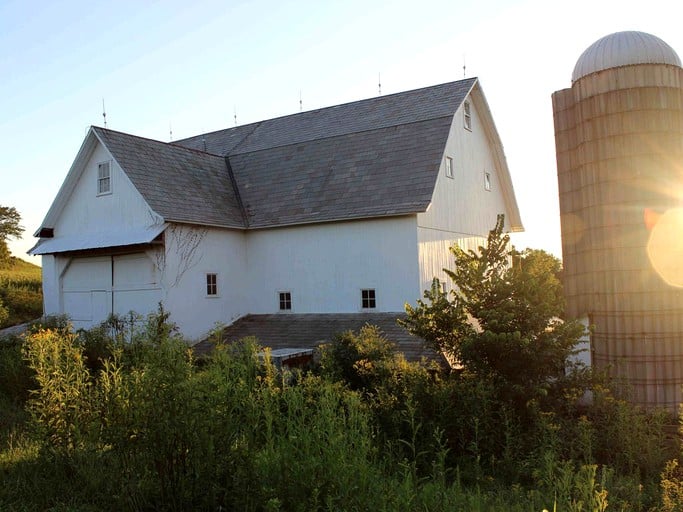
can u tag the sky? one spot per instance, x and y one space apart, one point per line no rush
178 68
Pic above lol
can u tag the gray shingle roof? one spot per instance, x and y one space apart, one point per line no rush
358 116
179 184
389 171
279 331
370 158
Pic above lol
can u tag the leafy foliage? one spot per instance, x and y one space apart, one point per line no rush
501 320
123 417
9 228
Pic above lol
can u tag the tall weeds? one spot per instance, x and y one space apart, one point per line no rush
123 417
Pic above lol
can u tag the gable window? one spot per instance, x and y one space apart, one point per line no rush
487 181
104 178
285 301
449 167
467 112
368 300
211 285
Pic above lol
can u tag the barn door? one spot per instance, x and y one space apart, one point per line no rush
135 284
86 290
93 288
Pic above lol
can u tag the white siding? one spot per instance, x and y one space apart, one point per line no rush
325 266
461 205
435 255
50 285
217 251
462 210
85 211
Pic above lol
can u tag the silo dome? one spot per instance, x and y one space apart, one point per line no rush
624 49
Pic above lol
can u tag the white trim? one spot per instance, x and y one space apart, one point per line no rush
449 167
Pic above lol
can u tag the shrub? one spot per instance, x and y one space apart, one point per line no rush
146 428
16 378
4 314
61 404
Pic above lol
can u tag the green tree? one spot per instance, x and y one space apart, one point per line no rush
502 320
10 227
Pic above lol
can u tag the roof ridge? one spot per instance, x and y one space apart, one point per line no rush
364 100
148 139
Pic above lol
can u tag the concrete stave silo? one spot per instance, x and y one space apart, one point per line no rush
619 145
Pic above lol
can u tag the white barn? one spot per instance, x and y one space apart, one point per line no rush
343 210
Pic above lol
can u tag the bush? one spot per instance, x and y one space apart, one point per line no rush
4 314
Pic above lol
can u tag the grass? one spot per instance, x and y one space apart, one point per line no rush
21 293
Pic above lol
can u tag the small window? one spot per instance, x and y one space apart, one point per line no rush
368 300
487 181
285 301
103 178
449 167
211 284
467 115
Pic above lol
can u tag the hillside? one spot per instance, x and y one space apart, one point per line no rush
21 294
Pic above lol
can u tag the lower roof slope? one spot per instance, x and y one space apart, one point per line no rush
278 331
384 172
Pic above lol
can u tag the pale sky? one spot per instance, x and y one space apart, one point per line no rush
190 66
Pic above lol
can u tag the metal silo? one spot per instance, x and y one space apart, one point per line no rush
619 145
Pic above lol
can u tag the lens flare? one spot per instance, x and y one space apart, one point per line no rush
665 246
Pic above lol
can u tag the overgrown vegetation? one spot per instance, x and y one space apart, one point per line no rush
123 417
21 292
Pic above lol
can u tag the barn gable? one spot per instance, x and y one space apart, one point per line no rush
97 206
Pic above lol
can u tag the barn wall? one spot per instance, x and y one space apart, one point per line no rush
190 254
435 254
50 284
326 266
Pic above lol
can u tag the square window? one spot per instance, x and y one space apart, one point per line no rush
449 167
368 300
487 181
103 178
285 301
211 284
467 115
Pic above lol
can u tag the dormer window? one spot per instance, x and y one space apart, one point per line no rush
449 167
104 178
467 113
